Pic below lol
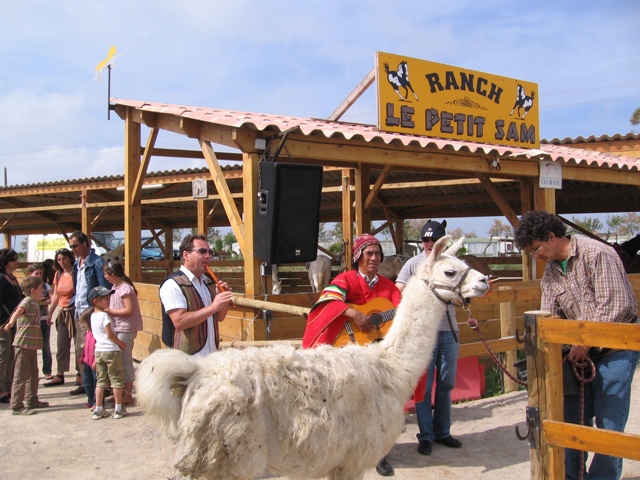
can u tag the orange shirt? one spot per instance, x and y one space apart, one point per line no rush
64 288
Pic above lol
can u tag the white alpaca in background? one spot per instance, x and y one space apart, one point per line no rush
314 413
319 273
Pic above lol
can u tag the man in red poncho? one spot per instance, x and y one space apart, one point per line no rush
358 287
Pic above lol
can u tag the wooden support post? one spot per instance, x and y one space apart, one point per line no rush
347 214
526 201
508 329
363 218
132 207
202 217
84 213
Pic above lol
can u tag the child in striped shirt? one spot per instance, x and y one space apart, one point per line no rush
27 342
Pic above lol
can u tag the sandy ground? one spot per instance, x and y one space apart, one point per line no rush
63 442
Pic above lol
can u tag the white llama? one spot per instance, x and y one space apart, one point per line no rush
314 413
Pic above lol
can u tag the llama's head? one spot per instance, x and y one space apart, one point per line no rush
449 277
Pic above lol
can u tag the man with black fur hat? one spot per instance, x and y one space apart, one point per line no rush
435 426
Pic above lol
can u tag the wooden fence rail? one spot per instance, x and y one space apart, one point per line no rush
549 435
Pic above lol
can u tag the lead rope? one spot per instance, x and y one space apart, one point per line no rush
575 366
473 324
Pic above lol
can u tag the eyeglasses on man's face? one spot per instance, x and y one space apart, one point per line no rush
535 251
73 246
203 251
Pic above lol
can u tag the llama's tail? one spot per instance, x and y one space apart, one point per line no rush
161 381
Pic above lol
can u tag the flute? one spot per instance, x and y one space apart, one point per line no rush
218 284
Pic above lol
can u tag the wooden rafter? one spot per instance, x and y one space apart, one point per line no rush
142 171
225 194
362 87
373 193
502 203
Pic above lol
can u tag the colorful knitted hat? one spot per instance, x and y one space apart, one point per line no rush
361 242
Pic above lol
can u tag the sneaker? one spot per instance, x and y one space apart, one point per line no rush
119 413
23 411
97 415
39 404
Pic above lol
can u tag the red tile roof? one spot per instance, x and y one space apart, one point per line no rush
370 133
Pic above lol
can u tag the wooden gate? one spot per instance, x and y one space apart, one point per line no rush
548 435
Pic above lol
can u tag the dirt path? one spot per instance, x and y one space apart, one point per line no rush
63 442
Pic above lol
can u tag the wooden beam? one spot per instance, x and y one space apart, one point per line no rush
362 87
6 222
132 208
502 203
347 214
373 193
142 171
230 208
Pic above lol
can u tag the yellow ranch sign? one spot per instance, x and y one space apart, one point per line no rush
426 98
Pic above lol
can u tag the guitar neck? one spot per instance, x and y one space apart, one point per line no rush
382 317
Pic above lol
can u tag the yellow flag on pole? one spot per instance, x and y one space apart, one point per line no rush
107 62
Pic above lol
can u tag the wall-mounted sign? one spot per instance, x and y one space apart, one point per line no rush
426 98
550 174
199 188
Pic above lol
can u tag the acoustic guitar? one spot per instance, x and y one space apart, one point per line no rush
380 311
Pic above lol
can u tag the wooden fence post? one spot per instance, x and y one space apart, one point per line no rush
536 395
507 329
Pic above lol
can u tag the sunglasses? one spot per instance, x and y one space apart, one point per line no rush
74 246
203 251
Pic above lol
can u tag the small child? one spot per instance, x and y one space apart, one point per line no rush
108 361
89 360
27 342
37 270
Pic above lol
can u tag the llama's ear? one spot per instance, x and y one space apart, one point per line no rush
453 249
439 247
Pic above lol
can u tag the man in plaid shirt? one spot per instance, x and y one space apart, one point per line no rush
584 280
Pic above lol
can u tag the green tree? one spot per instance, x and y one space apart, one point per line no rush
413 228
218 245
228 240
500 229
591 224
457 233
624 225
635 118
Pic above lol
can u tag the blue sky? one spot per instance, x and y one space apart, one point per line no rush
291 58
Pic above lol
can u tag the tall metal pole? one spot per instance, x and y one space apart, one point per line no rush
109 94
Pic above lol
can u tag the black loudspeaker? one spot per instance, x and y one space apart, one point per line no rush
288 213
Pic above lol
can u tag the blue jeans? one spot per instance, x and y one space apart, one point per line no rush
46 347
89 383
437 424
607 399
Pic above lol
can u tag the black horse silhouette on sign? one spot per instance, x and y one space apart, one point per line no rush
400 78
523 101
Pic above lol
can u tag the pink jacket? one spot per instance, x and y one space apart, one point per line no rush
89 354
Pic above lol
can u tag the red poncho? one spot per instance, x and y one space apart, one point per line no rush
326 319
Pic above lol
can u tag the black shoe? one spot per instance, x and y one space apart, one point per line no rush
450 442
77 391
383 468
424 447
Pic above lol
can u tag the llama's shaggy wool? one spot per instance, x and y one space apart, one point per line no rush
322 412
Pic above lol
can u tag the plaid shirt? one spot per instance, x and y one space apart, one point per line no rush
594 288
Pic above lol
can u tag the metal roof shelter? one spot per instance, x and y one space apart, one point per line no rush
369 175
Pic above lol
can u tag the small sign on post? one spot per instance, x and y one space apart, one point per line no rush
199 188
550 175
